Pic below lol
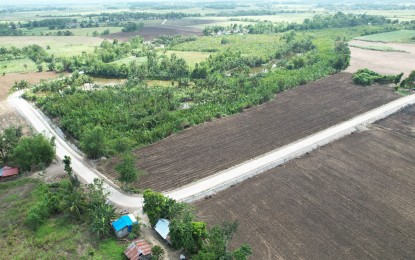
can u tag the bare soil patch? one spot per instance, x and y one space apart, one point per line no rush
206 149
402 122
8 116
151 32
352 199
382 61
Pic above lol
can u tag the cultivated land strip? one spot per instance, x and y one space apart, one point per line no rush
352 199
209 148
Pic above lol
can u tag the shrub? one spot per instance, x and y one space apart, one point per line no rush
157 252
32 152
367 77
127 169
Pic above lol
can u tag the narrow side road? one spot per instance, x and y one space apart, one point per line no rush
85 172
221 180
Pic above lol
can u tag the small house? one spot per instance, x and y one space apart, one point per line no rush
124 225
8 172
138 250
162 228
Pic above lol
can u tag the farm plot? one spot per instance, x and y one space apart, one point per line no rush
352 199
151 32
59 45
384 62
402 122
211 147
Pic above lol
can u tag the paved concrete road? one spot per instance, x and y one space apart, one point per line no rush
85 172
221 180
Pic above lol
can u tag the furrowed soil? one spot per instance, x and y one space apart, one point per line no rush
352 199
8 116
206 149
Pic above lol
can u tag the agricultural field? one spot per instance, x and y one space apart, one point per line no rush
206 149
353 197
383 60
191 57
249 45
59 45
403 36
76 32
152 32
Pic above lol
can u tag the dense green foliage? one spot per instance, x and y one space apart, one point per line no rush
409 82
338 20
172 40
55 234
132 27
367 77
135 114
76 202
192 235
8 141
33 152
216 244
157 252
127 169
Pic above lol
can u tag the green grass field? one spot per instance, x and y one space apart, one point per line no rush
13 66
376 48
405 36
77 32
128 60
191 57
58 238
255 45
59 45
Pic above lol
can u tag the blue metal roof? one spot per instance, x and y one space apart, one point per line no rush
162 227
122 222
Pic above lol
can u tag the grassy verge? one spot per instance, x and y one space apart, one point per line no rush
376 48
405 36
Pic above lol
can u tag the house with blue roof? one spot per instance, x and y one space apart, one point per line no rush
124 225
163 229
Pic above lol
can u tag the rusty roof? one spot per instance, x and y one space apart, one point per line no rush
137 248
8 171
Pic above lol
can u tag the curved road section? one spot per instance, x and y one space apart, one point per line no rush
221 180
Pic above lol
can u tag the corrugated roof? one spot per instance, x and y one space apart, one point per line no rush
162 227
8 171
124 221
137 248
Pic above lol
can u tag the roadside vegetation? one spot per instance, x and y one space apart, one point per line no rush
27 201
28 153
367 77
193 236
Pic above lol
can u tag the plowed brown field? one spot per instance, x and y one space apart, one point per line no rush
352 199
206 149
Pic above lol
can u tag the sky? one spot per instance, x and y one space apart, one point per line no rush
87 2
